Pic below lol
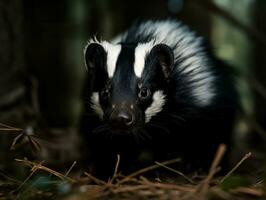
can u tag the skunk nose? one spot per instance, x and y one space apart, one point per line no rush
125 117
122 117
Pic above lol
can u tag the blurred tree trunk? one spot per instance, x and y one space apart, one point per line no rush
14 109
12 73
260 61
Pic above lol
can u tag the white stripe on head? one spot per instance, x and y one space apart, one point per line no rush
156 106
113 51
95 104
140 54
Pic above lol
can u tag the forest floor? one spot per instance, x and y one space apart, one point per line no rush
42 182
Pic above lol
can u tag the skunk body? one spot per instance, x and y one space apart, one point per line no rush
155 93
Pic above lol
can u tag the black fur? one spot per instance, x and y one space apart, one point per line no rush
182 129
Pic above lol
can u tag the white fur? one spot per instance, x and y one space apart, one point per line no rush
156 106
113 51
140 54
189 46
95 104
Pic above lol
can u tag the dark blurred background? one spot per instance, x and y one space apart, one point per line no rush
41 56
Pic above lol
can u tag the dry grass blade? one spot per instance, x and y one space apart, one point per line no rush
203 188
167 186
69 170
15 141
175 171
249 191
174 187
37 166
94 179
236 167
218 156
258 184
9 128
33 170
141 171
162 186
144 180
34 143
116 169
130 188
21 135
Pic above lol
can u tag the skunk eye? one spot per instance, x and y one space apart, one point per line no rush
105 93
144 93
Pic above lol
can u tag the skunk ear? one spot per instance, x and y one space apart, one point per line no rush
164 57
95 56
95 60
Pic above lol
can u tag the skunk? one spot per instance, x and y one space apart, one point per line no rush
154 93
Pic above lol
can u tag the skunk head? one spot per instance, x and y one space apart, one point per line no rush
129 82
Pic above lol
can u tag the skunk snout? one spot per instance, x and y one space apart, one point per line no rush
122 118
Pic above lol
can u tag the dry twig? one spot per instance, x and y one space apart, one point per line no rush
175 171
35 166
9 128
249 191
141 171
69 170
33 170
94 179
116 169
204 186
235 167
